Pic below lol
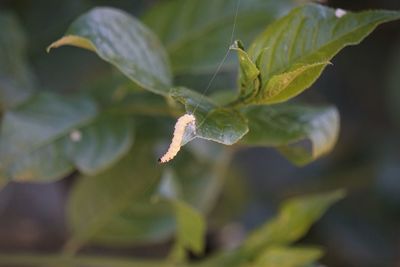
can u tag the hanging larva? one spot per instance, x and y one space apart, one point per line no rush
180 127
188 119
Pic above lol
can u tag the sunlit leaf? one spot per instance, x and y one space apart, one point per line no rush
293 51
292 222
123 41
302 133
287 257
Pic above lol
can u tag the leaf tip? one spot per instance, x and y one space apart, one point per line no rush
72 40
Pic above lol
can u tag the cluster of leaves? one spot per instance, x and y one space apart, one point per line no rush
111 131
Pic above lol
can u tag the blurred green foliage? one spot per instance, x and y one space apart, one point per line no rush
109 134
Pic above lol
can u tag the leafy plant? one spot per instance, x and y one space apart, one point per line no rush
113 132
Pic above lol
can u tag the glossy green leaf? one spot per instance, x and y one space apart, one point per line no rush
302 133
197 33
287 257
123 41
33 136
213 123
100 144
293 51
16 79
293 221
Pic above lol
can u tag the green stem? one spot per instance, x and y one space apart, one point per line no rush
78 261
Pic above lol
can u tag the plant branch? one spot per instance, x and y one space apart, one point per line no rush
88 261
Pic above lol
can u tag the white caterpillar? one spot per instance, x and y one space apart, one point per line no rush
180 127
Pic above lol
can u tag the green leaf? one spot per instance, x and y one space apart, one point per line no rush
46 163
293 221
287 257
248 77
282 87
197 33
121 217
113 207
110 208
48 136
191 227
302 133
293 51
16 79
123 41
33 136
214 123
100 144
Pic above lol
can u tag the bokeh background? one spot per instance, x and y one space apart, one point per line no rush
363 82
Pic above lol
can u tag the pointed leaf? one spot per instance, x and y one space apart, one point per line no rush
302 133
249 80
123 41
293 51
293 221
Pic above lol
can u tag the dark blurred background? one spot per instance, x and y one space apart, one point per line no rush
364 83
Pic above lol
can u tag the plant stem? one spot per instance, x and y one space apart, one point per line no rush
78 261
